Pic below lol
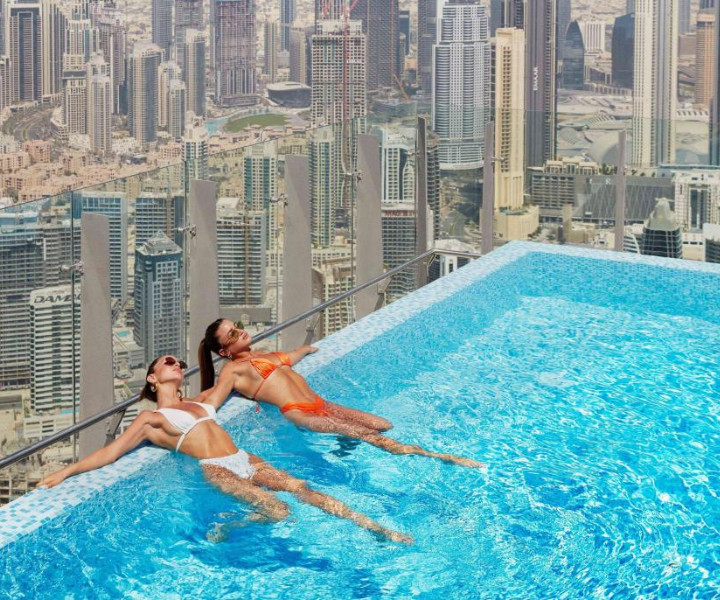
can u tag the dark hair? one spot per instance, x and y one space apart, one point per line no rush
208 345
147 391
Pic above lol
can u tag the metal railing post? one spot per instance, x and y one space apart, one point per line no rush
487 213
421 210
620 193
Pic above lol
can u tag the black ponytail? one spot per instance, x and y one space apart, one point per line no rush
147 392
208 345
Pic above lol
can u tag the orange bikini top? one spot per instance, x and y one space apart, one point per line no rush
265 367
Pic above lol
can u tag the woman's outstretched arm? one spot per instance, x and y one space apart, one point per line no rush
299 353
217 395
132 437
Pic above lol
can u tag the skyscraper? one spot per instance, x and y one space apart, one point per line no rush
54 340
380 23
299 56
99 102
655 82
195 148
325 184
157 211
704 57
193 70
573 69
684 21
168 72
397 166
112 43
23 39
332 52
54 21
162 24
540 82
715 105
287 17
271 50
188 15
427 38
564 16
593 35
461 84
113 205
623 51
509 114
329 10
241 247
176 109
662 235
142 97
5 82
75 101
697 199
399 235
235 52
158 315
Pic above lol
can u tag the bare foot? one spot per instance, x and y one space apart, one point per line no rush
396 536
467 462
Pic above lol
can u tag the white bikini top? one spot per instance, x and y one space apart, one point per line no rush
184 420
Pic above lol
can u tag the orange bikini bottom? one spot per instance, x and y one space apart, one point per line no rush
316 408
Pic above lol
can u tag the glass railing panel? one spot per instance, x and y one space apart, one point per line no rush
39 334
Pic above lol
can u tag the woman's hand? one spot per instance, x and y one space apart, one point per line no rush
53 479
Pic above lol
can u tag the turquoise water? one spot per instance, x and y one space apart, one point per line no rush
590 390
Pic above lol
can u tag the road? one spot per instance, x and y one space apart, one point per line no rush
33 124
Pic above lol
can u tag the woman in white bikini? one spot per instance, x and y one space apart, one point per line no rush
189 426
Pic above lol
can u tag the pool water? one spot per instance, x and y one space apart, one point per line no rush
590 390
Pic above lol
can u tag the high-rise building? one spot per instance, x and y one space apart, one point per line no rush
564 17
662 236
432 165
299 56
271 50
143 91
162 24
684 21
461 100
168 72
397 166
509 116
188 15
82 40
399 235
242 245
23 39
75 101
155 211
195 148
54 22
697 199
235 52
623 51
655 82
113 205
405 29
287 17
630 7
113 43
260 175
704 57
329 10
99 88
325 184
54 341
513 13
329 62
380 23
573 65
158 313
593 35
193 70
540 82
427 38
711 235
5 82
176 109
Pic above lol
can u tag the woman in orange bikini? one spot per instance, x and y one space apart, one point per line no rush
269 377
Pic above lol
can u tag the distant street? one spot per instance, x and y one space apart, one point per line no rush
33 124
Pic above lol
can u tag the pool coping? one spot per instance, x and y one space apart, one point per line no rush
26 514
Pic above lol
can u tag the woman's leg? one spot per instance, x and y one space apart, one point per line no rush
358 417
267 506
352 430
280 481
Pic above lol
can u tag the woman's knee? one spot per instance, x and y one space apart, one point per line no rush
277 511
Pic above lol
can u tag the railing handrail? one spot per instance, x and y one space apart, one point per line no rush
11 459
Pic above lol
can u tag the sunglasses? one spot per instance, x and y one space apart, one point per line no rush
171 361
234 334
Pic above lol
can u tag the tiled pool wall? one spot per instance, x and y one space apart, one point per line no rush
677 287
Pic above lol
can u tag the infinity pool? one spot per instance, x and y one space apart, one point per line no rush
588 383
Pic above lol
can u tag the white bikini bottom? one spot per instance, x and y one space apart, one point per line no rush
238 463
